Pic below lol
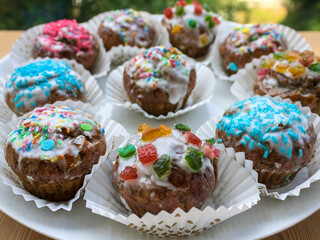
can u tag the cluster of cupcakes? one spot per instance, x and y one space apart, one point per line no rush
54 146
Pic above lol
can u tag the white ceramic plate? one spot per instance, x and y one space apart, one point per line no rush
269 216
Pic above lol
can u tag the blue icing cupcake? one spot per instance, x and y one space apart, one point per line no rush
275 135
42 82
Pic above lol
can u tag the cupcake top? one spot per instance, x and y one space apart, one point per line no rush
36 81
149 155
291 64
52 133
130 25
162 67
193 17
65 35
262 122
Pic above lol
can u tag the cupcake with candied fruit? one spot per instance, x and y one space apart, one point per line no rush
160 80
126 27
293 75
161 168
67 39
275 135
52 149
191 28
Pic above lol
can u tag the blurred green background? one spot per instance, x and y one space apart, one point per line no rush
298 14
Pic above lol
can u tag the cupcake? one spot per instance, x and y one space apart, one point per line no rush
42 82
160 80
249 42
165 169
291 75
126 27
275 135
191 28
52 149
67 39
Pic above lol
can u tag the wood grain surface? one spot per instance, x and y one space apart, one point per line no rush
10 229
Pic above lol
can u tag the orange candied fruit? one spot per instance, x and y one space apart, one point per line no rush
291 55
282 67
176 28
297 70
156 132
143 127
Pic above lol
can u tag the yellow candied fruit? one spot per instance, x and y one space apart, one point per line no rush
177 28
270 63
297 70
245 30
204 39
143 127
307 53
282 67
291 56
154 133
165 129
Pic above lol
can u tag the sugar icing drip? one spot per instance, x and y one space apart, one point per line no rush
262 122
35 82
41 133
162 67
65 34
130 25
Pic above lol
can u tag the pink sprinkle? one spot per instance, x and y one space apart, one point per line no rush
54 139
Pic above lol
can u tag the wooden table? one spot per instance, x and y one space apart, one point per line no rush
10 229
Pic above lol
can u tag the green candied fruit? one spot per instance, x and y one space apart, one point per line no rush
127 151
182 127
211 23
211 141
278 55
180 10
162 166
208 17
314 67
192 23
194 159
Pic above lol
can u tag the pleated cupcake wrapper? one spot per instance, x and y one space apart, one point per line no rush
295 42
120 54
21 51
236 192
93 92
201 94
303 179
112 129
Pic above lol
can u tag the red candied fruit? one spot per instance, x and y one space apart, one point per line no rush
182 3
168 13
210 151
263 72
192 139
147 154
306 60
129 173
216 20
197 8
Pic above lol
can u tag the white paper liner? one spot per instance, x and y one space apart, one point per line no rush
120 54
201 94
22 50
303 179
295 41
93 92
111 127
236 192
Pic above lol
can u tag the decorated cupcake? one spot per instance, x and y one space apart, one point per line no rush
52 149
67 39
160 80
126 27
291 75
191 28
42 82
249 42
275 135
164 169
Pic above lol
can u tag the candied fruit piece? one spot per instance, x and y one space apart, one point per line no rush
194 159
143 127
168 13
165 131
127 151
263 72
282 67
216 20
147 154
197 9
154 133
315 67
306 60
278 55
307 53
192 23
291 55
211 141
245 30
180 10
192 139
204 39
270 63
162 166
181 3
210 151
211 23
297 70
129 173
182 127
176 28
208 17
